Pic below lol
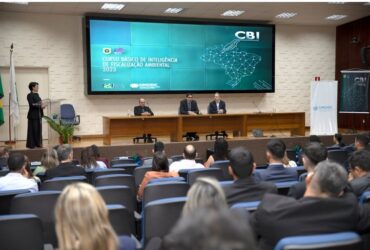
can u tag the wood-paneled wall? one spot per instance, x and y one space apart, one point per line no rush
348 56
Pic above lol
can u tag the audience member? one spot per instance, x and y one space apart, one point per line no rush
287 162
210 229
4 155
362 141
337 138
320 211
217 106
49 160
82 221
359 175
314 138
66 166
28 173
221 151
188 106
158 146
276 171
245 188
98 157
160 168
312 154
141 109
188 162
204 193
88 160
16 179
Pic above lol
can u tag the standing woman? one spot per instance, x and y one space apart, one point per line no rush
35 113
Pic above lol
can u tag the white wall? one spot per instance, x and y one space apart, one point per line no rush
55 42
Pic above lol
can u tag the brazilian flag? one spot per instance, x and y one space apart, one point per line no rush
1 103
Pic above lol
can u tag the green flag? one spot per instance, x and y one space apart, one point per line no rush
1 103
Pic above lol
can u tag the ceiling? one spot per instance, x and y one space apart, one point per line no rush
308 13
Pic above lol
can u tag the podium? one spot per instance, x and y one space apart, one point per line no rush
53 110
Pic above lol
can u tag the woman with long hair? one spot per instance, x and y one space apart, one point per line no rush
221 152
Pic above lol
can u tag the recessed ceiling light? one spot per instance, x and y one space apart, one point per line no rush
17 2
286 15
336 17
336 2
173 10
233 13
112 6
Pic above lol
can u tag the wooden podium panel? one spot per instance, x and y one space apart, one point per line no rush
175 126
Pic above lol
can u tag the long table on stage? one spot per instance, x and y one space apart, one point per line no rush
177 125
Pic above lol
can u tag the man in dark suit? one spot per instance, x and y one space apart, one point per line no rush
66 166
359 171
324 209
188 106
217 106
362 141
245 188
312 154
276 171
142 109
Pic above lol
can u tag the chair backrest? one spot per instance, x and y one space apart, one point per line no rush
283 187
21 232
102 172
121 161
340 156
176 158
167 179
59 183
116 179
120 219
162 190
302 177
121 195
223 165
160 216
128 167
365 197
335 241
250 206
6 199
300 170
204 172
139 174
67 114
41 204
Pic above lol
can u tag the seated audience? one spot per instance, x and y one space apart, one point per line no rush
359 171
210 229
82 222
4 155
221 151
314 138
157 147
287 162
362 141
337 138
66 166
88 160
312 154
217 106
188 162
28 174
159 170
141 109
49 160
97 155
17 178
188 106
245 188
276 171
325 208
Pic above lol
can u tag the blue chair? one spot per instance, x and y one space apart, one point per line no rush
116 179
121 219
163 190
283 187
250 206
224 166
68 116
59 183
365 197
6 199
128 167
121 160
167 179
335 241
139 174
192 174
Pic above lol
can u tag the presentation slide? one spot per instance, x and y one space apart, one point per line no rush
144 56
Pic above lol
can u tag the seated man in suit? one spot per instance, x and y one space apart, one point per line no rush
217 106
323 209
188 106
359 171
276 171
312 154
190 153
142 109
245 188
66 166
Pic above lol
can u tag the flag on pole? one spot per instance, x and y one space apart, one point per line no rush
1 103
14 107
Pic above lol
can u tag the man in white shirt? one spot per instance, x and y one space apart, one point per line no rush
188 162
15 180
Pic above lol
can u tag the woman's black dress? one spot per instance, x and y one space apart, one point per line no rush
35 113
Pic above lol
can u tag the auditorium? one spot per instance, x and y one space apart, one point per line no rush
184 125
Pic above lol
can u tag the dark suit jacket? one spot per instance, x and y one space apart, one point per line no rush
360 185
212 108
184 107
34 102
138 110
244 190
64 170
297 191
276 173
280 216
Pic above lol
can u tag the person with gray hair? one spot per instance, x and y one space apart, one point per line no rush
325 208
66 167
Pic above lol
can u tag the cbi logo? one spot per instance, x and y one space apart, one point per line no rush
248 35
